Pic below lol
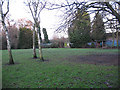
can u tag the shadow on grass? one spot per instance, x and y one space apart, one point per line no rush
38 60
7 64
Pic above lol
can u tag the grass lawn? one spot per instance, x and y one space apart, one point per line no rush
56 71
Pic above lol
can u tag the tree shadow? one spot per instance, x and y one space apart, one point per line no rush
45 60
7 64
38 59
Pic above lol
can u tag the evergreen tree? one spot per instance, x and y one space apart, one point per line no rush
46 40
98 30
79 32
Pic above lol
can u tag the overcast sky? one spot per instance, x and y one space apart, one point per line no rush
49 19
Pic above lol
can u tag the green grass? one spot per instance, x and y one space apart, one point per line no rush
0 69
56 71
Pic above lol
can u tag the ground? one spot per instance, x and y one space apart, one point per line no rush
97 59
62 68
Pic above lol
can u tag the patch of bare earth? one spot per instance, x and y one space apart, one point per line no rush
97 59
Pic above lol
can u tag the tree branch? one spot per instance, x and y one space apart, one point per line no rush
7 9
31 10
113 11
42 7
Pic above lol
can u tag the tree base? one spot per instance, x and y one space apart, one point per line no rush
34 57
11 62
42 59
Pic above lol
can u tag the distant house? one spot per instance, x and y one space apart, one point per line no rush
110 43
109 39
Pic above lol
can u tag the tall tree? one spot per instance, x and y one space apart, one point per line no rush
79 32
98 29
3 15
46 40
36 6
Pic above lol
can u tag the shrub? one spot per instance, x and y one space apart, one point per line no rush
25 38
93 45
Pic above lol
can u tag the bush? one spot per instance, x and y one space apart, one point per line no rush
25 38
55 45
93 45
46 45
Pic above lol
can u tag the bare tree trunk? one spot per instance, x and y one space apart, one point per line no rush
8 44
6 30
34 48
36 6
39 44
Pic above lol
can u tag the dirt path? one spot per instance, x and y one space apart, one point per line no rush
97 59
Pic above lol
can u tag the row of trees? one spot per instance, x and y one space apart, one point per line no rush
35 7
21 38
80 31
107 9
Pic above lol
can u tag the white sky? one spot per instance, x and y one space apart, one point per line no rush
49 19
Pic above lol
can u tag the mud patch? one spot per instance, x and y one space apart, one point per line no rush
97 59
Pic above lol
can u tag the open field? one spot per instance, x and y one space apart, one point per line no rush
62 68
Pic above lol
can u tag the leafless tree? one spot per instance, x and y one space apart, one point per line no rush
70 8
35 7
3 16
